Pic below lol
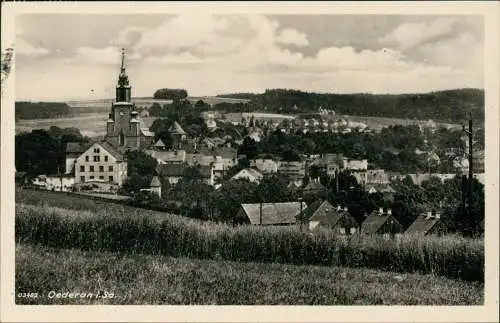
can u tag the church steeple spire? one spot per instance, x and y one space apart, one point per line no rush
123 88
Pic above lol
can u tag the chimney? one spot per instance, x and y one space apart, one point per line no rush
389 211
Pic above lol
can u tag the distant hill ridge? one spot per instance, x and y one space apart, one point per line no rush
447 105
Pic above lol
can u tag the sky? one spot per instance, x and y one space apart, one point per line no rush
77 56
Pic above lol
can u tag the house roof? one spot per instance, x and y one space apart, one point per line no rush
168 156
375 221
177 170
250 171
324 212
224 152
112 151
155 182
422 224
146 132
159 143
176 129
77 147
273 213
381 188
314 186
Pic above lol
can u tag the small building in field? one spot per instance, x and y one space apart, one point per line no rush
429 223
380 222
270 213
322 214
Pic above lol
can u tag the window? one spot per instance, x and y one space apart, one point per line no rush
101 177
110 178
82 179
105 158
101 169
110 168
91 177
86 158
82 168
96 150
97 158
91 168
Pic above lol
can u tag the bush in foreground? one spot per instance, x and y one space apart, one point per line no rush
148 232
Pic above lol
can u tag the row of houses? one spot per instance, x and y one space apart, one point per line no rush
321 214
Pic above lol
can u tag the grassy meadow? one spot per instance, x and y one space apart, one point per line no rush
132 230
71 243
136 279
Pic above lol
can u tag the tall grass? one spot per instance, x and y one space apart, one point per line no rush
141 231
145 279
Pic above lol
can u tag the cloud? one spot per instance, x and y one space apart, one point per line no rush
408 35
24 48
293 37
129 36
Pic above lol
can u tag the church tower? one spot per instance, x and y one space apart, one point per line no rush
123 127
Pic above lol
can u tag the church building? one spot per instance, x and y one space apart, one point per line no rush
124 131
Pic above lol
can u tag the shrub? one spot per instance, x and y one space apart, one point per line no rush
142 231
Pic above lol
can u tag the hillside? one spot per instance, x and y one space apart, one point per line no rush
445 106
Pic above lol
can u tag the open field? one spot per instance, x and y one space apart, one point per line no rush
117 228
90 124
143 279
94 124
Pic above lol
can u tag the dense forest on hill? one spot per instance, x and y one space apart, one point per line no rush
445 106
42 110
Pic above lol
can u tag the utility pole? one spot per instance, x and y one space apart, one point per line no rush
471 174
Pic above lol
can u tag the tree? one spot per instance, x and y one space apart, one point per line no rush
38 153
170 94
273 189
230 197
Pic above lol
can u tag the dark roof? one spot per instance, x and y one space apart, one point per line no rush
77 147
326 213
111 150
422 224
273 213
176 129
314 186
177 170
375 221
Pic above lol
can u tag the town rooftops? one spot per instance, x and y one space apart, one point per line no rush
159 144
273 213
314 185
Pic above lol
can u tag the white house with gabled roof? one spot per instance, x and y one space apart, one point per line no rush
101 164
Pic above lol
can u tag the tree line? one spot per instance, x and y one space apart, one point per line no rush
41 110
445 106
